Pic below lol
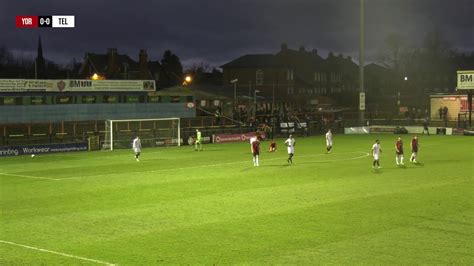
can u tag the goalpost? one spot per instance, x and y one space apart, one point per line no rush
119 134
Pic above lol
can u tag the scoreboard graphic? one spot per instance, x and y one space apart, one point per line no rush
56 21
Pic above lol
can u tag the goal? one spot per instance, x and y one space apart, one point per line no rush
119 134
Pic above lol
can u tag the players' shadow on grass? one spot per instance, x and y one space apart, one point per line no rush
313 162
206 150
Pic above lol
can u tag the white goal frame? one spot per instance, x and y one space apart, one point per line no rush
110 125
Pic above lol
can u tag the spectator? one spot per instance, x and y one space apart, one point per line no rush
218 114
440 113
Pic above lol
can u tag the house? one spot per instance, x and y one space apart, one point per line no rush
298 77
113 65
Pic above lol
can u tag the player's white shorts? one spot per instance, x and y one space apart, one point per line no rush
137 150
376 156
328 143
291 149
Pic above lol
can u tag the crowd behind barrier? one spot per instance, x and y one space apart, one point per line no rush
300 122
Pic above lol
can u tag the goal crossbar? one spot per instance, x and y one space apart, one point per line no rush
174 129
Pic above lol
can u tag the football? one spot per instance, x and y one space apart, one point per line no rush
32 155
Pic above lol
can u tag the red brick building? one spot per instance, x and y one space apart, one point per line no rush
113 65
294 76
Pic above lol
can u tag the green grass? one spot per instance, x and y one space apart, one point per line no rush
214 207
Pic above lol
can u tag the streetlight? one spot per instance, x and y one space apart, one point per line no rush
187 80
398 94
361 62
234 81
255 101
96 77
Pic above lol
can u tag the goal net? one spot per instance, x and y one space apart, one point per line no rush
119 134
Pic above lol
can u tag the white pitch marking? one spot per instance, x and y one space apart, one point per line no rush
30 176
230 163
57 253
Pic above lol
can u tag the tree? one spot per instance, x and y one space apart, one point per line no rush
393 52
172 68
6 57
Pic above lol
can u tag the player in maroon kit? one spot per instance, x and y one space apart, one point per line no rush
273 146
399 151
256 151
414 149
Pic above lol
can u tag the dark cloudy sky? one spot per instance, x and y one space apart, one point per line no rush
217 31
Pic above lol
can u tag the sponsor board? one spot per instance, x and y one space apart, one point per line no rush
356 130
168 142
73 85
382 129
465 80
204 140
41 149
410 129
220 138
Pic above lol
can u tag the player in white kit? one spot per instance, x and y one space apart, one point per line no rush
137 147
328 141
376 150
290 143
252 140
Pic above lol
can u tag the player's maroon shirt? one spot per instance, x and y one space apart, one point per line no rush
256 147
399 146
414 145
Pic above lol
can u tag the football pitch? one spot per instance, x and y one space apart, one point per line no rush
179 206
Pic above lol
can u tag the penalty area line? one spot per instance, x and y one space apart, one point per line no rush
365 154
30 176
57 253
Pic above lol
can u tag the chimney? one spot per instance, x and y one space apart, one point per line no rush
112 58
302 49
349 58
143 64
314 51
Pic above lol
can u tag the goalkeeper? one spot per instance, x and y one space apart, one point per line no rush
198 141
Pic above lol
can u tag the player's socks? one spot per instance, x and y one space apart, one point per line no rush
401 160
396 160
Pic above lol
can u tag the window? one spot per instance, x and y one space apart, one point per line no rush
289 74
317 76
259 77
323 77
291 90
